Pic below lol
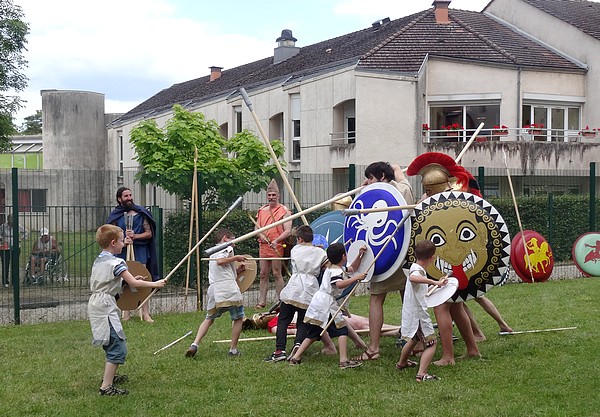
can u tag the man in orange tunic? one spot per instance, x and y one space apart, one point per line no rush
271 242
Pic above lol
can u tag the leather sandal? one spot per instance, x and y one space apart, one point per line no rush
367 356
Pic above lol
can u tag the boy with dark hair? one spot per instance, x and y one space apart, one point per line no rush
223 293
416 323
323 305
306 261
106 282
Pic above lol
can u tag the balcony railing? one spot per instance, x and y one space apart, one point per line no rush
342 138
510 135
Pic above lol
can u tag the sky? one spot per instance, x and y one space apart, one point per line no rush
130 50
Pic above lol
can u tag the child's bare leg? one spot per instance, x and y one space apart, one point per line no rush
463 323
405 353
426 358
236 330
202 330
328 345
358 342
444 323
110 370
343 348
477 332
491 309
146 313
305 344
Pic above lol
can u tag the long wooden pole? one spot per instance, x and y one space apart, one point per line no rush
256 339
537 331
464 150
222 246
352 212
192 208
267 142
235 203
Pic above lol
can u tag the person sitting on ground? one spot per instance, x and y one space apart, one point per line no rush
44 248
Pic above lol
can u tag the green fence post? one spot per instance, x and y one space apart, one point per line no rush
16 251
592 196
550 224
481 180
157 215
351 177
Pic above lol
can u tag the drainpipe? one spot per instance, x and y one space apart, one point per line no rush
519 99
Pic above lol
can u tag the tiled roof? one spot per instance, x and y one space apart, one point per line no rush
469 35
584 15
400 45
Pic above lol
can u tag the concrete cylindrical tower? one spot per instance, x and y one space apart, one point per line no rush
74 130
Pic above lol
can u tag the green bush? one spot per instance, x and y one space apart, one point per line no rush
560 219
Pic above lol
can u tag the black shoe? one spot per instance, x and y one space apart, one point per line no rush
111 390
277 356
191 352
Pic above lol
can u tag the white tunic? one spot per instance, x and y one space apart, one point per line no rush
223 290
414 307
324 304
306 261
102 306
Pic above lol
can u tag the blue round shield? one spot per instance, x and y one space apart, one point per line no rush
385 231
330 225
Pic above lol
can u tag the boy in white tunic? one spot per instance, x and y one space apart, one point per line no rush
306 261
223 293
416 323
323 305
106 282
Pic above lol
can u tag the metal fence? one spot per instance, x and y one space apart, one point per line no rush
72 204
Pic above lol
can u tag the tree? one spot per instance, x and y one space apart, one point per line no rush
32 125
12 63
167 158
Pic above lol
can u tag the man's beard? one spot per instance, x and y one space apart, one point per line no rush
128 205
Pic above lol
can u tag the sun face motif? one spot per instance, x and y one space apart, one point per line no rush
471 241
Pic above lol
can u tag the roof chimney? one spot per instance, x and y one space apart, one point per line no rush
286 47
215 72
440 8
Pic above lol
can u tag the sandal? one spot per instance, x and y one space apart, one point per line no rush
409 364
367 356
427 377
260 305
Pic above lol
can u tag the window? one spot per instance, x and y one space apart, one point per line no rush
558 122
468 116
296 134
237 111
120 135
32 201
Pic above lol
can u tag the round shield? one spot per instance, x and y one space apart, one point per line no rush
384 231
471 239
330 225
367 259
441 294
537 263
131 298
586 254
248 275
320 241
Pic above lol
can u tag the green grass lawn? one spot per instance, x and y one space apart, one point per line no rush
52 369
